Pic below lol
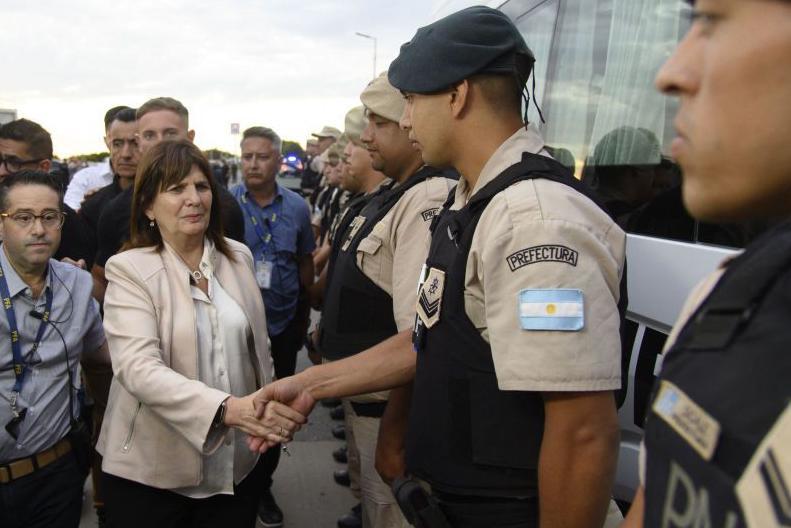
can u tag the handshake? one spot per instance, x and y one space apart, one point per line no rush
271 415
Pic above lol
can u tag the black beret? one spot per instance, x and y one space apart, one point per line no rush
471 41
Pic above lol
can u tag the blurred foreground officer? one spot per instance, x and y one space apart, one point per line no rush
719 453
517 335
50 323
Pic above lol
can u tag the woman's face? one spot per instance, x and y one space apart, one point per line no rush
182 211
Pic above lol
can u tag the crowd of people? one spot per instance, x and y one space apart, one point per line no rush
472 296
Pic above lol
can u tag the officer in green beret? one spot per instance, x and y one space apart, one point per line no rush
516 349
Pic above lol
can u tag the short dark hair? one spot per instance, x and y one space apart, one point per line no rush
113 114
265 133
166 164
164 103
28 177
502 92
38 140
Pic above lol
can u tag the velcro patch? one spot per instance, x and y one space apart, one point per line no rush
688 419
429 214
560 310
429 297
547 253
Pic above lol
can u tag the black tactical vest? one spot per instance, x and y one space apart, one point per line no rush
358 314
465 435
724 383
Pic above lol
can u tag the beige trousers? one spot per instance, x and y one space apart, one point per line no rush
380 509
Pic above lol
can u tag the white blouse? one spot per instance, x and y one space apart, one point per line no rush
224 363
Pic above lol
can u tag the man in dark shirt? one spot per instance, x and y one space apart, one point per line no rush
159 119
25 144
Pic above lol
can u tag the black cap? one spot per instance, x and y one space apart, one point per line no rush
471 41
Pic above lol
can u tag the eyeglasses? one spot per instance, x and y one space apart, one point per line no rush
14 164
49 219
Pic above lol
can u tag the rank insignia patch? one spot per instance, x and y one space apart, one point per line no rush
429 299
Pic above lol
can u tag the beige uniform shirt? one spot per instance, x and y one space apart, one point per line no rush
543 236
393 254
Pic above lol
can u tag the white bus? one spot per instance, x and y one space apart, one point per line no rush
595 65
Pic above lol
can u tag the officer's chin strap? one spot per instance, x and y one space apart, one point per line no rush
526 98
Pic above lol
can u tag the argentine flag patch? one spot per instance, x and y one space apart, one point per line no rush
561 310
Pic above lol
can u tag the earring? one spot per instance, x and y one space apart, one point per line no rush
151 223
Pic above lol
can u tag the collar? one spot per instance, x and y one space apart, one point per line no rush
507 154
15 284
249 197
207 262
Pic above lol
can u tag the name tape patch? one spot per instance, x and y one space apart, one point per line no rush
429 214
688 419
560 310
535 254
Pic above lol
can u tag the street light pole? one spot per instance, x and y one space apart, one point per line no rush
369 37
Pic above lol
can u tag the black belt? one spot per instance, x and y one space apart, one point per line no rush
369 410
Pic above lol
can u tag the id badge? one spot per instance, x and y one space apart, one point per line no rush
263 273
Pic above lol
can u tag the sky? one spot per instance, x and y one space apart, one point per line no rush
293 66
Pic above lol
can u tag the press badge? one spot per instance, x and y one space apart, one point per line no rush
688 419
559 310
263 273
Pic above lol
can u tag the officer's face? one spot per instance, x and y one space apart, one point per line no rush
387 143
427 118
732 73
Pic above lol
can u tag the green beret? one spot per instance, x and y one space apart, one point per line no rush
472 41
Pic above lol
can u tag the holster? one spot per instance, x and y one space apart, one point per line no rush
418 506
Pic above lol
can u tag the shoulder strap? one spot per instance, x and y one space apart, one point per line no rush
733 301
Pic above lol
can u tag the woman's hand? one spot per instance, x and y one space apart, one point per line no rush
277 422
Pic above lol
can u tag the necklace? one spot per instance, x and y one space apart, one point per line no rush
196 275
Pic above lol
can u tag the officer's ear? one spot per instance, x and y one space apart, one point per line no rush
459 98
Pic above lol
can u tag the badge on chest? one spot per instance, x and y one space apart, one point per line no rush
429 298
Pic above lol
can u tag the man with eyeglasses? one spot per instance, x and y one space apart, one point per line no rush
49 324
25 144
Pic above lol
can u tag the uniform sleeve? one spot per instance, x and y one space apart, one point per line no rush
550 303
76 190
409 240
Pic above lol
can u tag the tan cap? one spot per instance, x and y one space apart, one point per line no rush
355 124
334 151
382 99
328 131
312 141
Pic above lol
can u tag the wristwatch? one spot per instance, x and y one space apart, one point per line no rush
219 418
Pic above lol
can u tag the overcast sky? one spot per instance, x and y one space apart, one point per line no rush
290 65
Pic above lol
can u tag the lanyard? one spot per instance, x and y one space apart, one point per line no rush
269 220
20 367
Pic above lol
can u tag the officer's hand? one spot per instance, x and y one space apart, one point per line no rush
272 421
287 391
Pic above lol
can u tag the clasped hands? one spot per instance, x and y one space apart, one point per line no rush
271 415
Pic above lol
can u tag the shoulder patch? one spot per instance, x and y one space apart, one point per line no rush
560 310
429 214
548 253
429 299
